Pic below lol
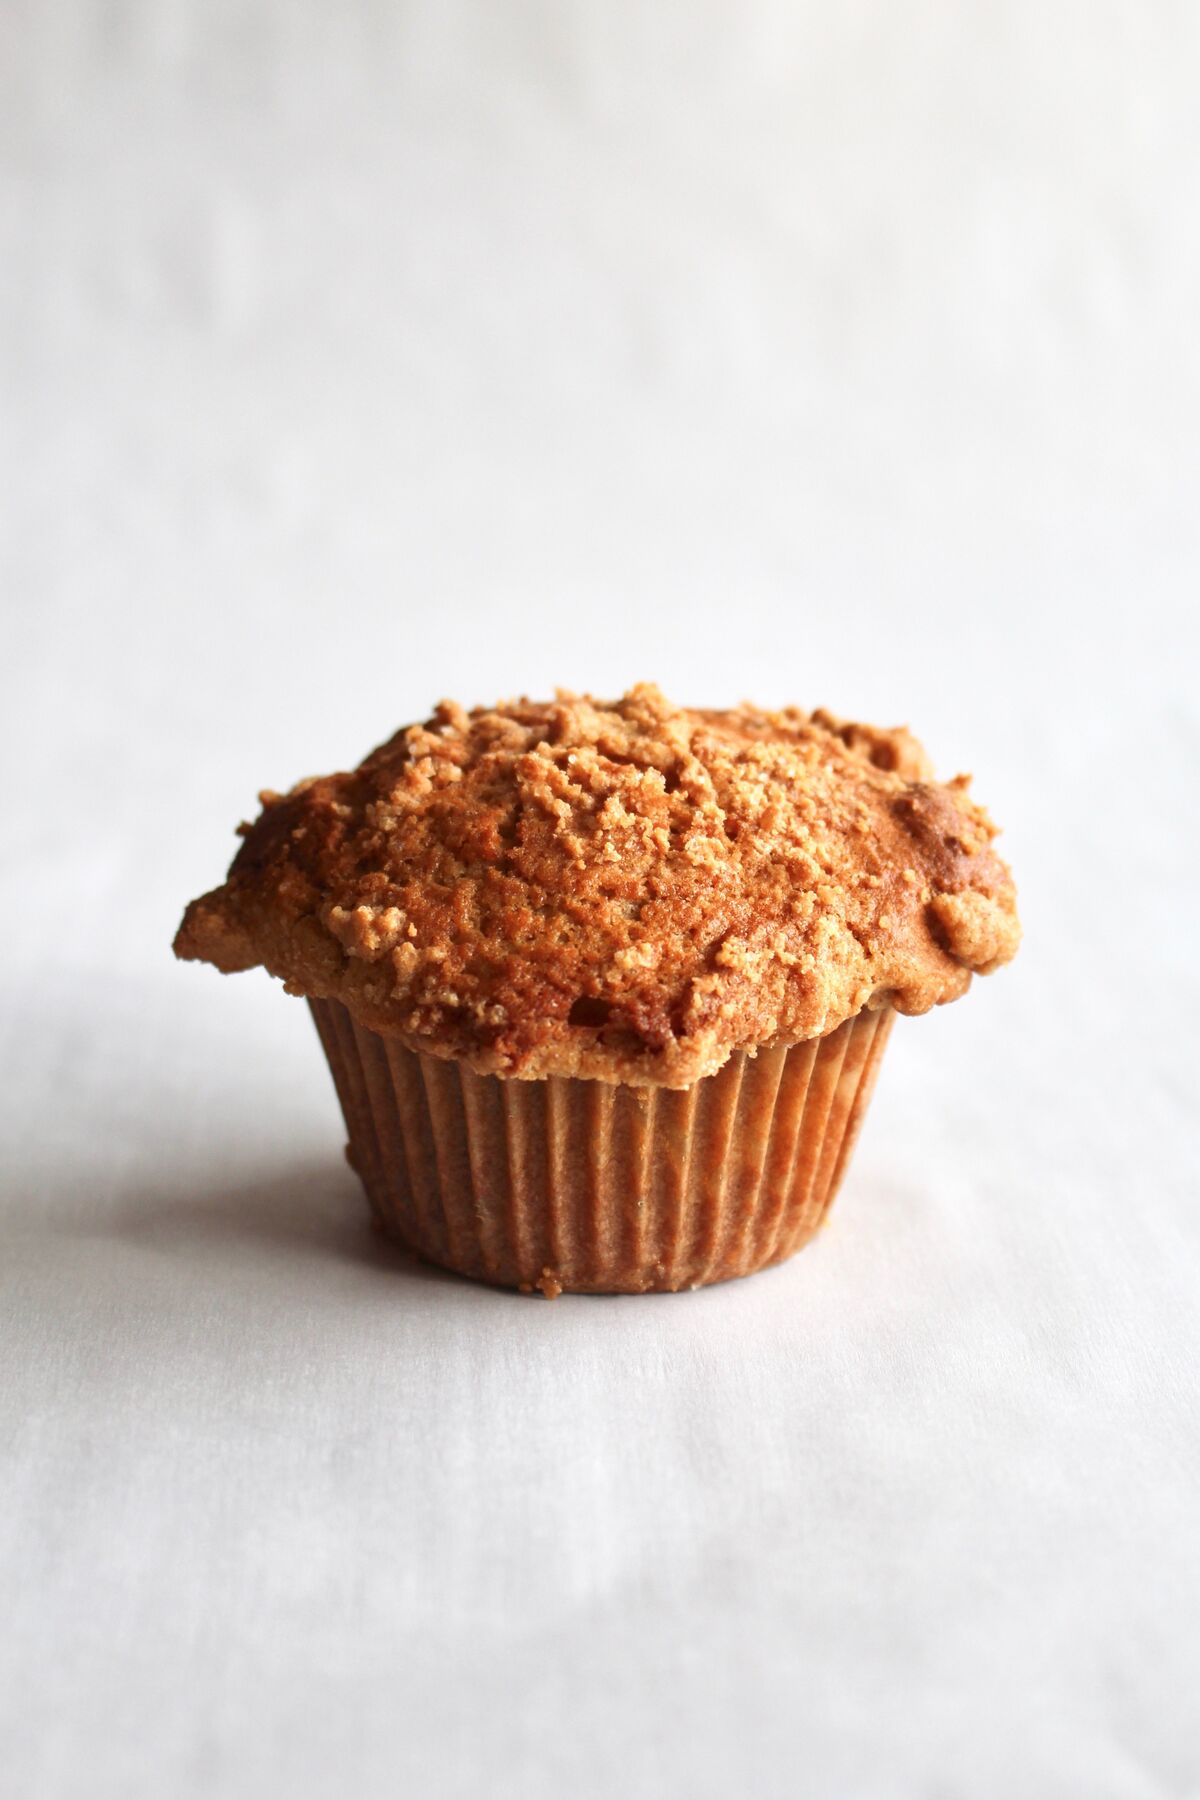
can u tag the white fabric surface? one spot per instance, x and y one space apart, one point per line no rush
354 355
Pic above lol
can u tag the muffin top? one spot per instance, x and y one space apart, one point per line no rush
627 891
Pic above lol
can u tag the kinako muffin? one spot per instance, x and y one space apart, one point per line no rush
604 985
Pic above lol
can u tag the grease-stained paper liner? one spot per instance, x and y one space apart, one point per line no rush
569 1184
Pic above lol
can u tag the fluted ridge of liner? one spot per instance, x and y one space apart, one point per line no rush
596 1187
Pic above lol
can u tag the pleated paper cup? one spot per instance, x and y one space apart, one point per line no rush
598 1188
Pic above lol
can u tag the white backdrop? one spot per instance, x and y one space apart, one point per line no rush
355 355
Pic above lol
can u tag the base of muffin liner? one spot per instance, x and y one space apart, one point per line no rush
585 1186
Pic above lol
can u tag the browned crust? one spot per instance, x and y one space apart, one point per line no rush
626 891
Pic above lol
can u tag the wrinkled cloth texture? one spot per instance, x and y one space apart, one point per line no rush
841 357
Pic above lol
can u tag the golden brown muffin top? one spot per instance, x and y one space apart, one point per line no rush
628 891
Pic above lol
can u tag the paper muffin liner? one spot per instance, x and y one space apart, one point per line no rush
592 1187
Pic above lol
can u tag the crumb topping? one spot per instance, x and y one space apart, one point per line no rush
627 891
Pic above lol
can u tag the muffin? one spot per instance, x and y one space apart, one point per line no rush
604 986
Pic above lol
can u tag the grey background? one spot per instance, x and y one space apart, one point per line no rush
356 355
